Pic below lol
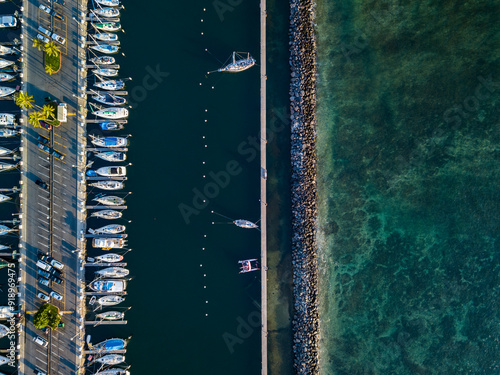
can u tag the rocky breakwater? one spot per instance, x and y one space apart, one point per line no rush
303 156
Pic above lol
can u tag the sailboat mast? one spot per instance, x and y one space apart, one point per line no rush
234 59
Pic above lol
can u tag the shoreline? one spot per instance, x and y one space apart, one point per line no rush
303 186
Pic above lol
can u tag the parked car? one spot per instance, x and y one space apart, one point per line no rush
43 273
56 264
44 148
57 155
45 125
43 140
43 30
44 266
58 39
39 372
51 12
41 341
43 281
43 38
43 296
42 184
56 295
44 257
56 279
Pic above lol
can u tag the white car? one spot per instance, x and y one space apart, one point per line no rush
58 39
55 295
44 266
8 21
43 38
41 341
43 30
43 296
45 9
56 264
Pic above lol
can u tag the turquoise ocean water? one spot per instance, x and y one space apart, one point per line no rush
409 169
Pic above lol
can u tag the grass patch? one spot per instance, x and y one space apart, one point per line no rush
52 62
53 122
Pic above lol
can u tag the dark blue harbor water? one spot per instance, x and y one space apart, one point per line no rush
191 310
408 181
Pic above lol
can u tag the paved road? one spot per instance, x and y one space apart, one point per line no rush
51 218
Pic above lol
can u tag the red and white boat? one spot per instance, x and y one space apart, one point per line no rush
248 265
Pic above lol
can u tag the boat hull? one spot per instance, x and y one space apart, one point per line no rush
110 300
107 214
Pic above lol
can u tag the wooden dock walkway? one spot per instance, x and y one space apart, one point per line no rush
263 184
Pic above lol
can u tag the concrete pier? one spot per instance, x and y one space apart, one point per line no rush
263 182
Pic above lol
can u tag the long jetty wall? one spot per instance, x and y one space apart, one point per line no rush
303 157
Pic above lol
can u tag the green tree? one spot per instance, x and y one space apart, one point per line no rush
37 43
35 118
51 49
24 100
48 112
49 70
47 316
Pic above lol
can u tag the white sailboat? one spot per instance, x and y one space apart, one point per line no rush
6 166
108 243
112 100
108 3
5 77
238 63
5 151
113 371
105 72
6 133
107 12
108 285
109 229
113 272
109 141
111 85
6 91
105 48
103 60
4 198
110 300
107 214
7 119
110 315
109 258
111 359
112 156
110 200
4 330
6 312
113 113
245 224
5 63
107 26
106 37
108 185
112 171
4 230
6 51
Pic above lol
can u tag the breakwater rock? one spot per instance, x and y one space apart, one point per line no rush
303 156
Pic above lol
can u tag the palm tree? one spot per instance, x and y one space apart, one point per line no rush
48 112
49 70
37 43
24 100
35 118
51 49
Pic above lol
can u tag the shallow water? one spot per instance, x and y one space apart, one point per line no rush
408 187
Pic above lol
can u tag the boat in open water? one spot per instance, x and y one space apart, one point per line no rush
111 300
107 214
113 272
103 60
110 315
113 156
109 243
109 258
113 113
238 63
109 229
110 345
7 133
109 99
107 26
108 286
248 265
110 200
109 141
111 359
107 12
245 224
111 85
105 48
108 185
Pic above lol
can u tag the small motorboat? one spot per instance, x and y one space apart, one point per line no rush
113 272
109 258
5 77
6 91
238 63
104 72
110 85
114 156
105 48
103 60
111 359
109 99
106 37
245 224
108 3
6 133
110 200
110 315
109 141
4 330
109 229
4 198
248 265
110 300
107 26
110 126
106 12
112 171
107 214
4 230
114 113
6 51
6 166
7 119
109 243
110 345
5 63
5 151
108 286
6 312
108 185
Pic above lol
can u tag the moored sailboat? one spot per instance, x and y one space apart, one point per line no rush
109 99
107 12
109 141
6 91
111 126
109 258
108 185
6 50
110 200
6 133
108 285
110 300
6 166
245 224
110 345
4 230
4 198
5 151
114 113
103 60
5 77
111 85
107 26
5 63
105 72
110 315
105 48
238 63
113 272
111 359
108 3
7 119
109 229
106 37
113 156
112 171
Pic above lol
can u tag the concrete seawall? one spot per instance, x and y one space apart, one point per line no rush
303 158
